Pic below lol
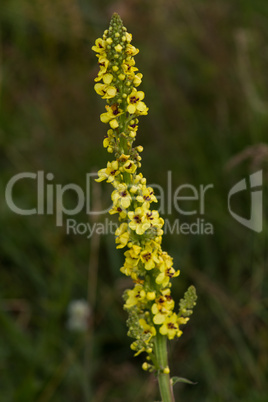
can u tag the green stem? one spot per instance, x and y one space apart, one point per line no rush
162 360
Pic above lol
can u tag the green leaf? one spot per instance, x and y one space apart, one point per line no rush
174 381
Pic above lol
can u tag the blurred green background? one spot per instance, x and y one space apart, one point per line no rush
205 69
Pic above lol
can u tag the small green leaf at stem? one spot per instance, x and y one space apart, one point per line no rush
174 381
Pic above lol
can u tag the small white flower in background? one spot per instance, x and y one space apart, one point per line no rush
78 315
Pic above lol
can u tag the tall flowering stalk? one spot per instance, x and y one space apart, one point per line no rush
151 308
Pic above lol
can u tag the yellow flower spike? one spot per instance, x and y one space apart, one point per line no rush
149 304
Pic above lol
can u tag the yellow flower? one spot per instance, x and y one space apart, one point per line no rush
112 112
127 269
147 329
133 255
131 262
128 37
123 158
107 78
106 91
109 173
129 69
170 326
121 196
114 124
131 50
135 296
103 63
166 269
154 219
147 195
129 167
122 240
121 229
135 104
162 307
137 79
118 210
138 221
133 252
99 46
133 127
149 257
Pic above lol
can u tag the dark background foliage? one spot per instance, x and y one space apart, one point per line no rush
205 78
